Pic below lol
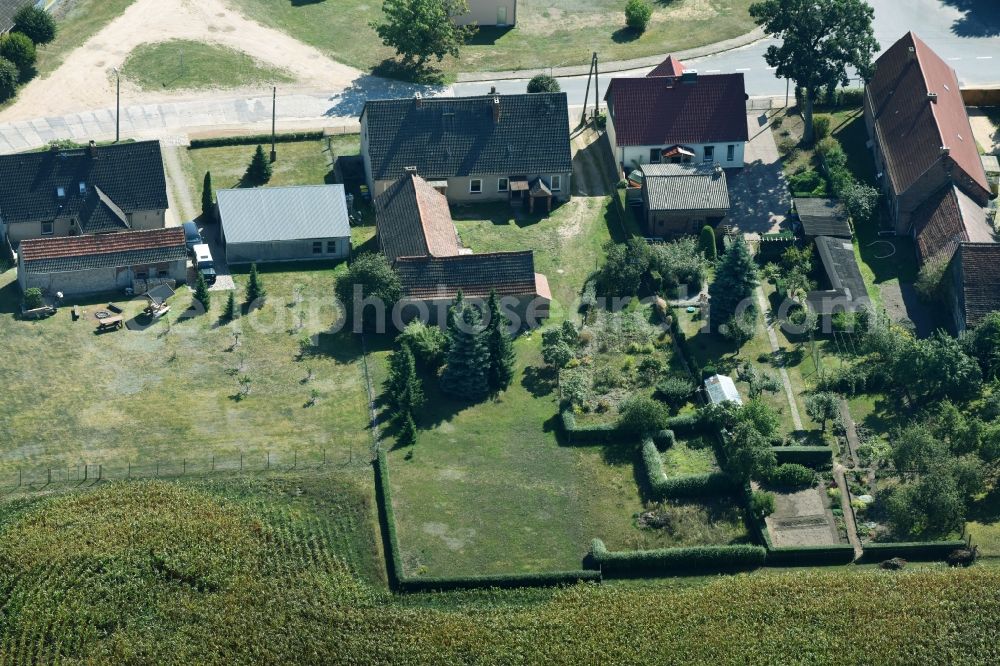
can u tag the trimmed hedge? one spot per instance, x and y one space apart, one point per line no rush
688 424
810 456
910 550
662 486
584 435
791 476
698 559
808 556
254 139
399 582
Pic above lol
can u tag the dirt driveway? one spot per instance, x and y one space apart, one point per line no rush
84 81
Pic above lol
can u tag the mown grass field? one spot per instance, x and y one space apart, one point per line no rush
169 392
284 569
186 65
553 33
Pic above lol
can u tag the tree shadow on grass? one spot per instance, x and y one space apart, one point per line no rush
625 35
539 382
393 68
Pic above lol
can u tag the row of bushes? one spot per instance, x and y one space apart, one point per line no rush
808 556
685 486
810 456
254 139
399 582
689 424
916 550
698 559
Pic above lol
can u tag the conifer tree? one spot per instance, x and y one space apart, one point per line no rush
706 241
407 431
255 288
207 197
259 171
501 346
201 292
467 373
229 313
402 385
735 281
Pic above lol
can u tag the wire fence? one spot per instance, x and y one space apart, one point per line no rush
256 462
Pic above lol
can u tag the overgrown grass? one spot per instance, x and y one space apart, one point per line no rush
181 64
695 457
559 32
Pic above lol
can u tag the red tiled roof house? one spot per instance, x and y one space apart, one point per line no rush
925 154
98 263
676 115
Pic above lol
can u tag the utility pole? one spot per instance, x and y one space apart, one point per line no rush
274 114
586 95
788 84
118 104
597 90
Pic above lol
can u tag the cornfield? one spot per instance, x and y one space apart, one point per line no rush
285 570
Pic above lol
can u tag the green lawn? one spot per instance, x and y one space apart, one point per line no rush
186 65
168 393
695 457
553 33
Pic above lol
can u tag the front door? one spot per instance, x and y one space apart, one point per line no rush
501 16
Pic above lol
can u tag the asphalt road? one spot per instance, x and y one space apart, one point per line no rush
969 39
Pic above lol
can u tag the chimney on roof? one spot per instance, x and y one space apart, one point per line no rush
717 170
418 100
945 150
932 96
689 76
912 52
412 170
496 108
493 90
93 149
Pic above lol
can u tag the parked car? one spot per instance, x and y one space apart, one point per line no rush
192 236
203 262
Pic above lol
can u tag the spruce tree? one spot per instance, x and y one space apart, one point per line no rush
407 431
207 198
501 346
229 313
255 288
402 385
201 292
467 373
259 171
735 281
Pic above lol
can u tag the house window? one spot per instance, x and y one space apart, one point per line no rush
709 153
555 183
47 229
502 185
654 155
317 247
730 153
475 185
331 247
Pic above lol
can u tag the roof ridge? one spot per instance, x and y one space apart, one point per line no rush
927 89
420 210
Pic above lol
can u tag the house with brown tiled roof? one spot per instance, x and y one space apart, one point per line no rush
973 280
926 156
99 263
677 115
416 233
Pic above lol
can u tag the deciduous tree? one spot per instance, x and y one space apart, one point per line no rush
541 83
371 276
421 29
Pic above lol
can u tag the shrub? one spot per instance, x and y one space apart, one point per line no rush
373 277
664 439
19 50
637 14
810 456
428 344
806 182
35 23
821 126
761 504
697 559
791 476
640 415
687 425
8 79
542 83
706 242
674 390
649 369
33 298
787 147
849 97
827 145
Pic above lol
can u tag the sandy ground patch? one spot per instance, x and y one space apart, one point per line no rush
85 81
987 134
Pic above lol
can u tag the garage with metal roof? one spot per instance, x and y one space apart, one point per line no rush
284 223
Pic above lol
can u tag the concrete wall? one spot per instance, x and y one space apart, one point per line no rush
97 280
458 188
981 96
485 12
630 156
148 219
296 250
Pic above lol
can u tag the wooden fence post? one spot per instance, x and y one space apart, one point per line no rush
86 471
213 462
100 471
268 460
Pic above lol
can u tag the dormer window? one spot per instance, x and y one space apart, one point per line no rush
83 189
60 192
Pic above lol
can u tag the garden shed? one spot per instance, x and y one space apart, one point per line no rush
822 217
284 223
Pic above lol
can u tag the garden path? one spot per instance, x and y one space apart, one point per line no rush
785 381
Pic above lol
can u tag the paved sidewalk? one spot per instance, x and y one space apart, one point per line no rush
754 35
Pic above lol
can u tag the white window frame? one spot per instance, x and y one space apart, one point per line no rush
52 228
708 154
731 152
472 186
555 178
503 184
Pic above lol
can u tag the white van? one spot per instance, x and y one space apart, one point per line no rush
203 262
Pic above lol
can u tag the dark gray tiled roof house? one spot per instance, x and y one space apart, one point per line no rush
473 145
95 189
681 198
847 291
7 10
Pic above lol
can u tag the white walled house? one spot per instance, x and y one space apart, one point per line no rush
677 116
498 13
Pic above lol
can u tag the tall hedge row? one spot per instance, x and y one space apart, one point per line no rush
254 139
662 486
399 582
667 561
803 556
910 550
585 435
810 456
689 424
